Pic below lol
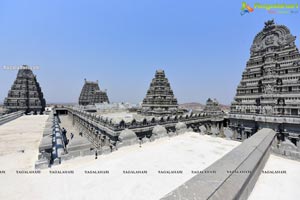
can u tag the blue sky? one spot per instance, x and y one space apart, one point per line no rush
203 47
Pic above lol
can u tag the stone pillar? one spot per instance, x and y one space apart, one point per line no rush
243 135
73 120
208 129
222 130
235 134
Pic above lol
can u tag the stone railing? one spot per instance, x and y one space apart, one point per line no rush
268 118
59 146
233 176
45 147
52 146
11 116
145 122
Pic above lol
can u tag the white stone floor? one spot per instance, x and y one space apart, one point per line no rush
278 186
22 134
186 152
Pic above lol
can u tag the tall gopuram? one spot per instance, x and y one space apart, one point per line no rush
268 95
212 108
91 94
25 94
160 98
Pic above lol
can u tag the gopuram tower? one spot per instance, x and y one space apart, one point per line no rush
160 98
25 94
268 95
91 94
212 108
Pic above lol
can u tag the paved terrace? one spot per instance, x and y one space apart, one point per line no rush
186 152
19 142
236 173
278 185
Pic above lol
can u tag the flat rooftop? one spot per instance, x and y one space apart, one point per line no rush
19 142
186 152
278 185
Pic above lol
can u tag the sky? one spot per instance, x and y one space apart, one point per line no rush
202 46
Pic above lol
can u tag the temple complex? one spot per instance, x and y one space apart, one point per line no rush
160 98
105 128
91 94
25 94
268 94
164 121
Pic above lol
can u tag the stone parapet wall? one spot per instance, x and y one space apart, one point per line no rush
11 116
234 175
52 146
